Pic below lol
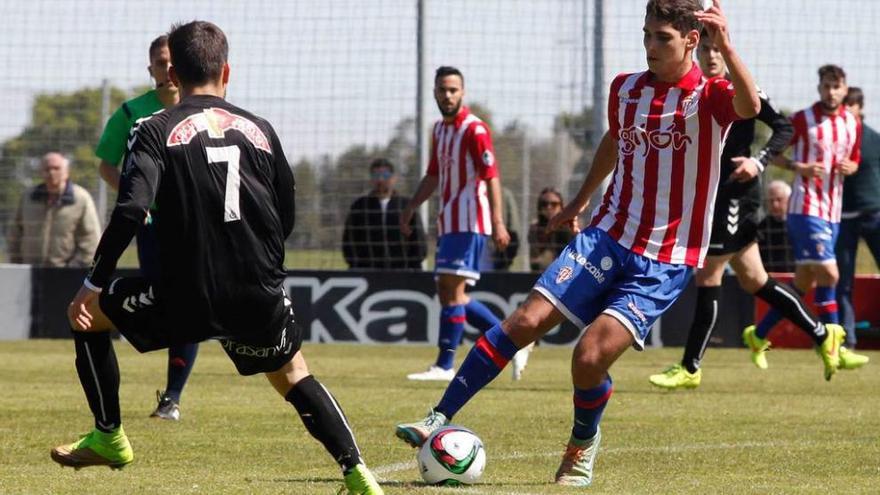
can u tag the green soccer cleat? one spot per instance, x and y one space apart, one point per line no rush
577 462
96 449
849 360
829 351
757 346
676 376
416 433
360 481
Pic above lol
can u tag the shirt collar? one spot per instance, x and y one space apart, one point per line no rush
688 82
819 110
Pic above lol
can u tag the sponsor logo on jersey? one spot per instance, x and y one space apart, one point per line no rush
636 139
216 121
592 269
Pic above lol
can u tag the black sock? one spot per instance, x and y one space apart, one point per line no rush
99 375
325 420
785 300
705 316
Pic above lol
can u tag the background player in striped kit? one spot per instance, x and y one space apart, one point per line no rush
734 235
463 167
666 127
110 149
826 148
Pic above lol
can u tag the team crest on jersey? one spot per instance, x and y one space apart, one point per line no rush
564 274
216 121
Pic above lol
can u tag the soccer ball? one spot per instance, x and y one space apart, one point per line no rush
452 455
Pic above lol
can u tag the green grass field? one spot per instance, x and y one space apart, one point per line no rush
784 430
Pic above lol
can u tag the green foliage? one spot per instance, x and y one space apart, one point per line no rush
743 431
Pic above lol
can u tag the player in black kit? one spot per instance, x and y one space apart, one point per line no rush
734 239
224 195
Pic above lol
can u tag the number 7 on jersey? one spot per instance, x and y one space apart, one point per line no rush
230 155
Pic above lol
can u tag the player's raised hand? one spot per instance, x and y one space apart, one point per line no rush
715 22
746 169
77 311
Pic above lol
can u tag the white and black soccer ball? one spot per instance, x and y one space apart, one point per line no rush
452 455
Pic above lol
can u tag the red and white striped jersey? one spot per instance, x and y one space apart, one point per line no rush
669 141
827 139
463 158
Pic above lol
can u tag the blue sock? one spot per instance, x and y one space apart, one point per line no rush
480 316
451 328
181 359
826 303
483 363
588 407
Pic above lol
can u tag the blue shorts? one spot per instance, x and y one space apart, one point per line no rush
594 274
459 254
812 239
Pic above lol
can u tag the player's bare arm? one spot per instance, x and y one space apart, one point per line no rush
499 230
110 174
746 102
423 192
847 167
604 162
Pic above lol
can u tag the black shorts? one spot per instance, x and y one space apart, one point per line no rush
136 310
734 225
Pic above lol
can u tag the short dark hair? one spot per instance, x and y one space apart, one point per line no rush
447 70
679 13
198 51
157 44
854 96
381 163
835 72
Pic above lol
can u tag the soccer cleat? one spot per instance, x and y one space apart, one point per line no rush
676 376
829 351
167 408
96 449
434 374
757 346
849 360
520 360
416 433
360 481
577 461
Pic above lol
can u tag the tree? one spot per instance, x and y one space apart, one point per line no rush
69 123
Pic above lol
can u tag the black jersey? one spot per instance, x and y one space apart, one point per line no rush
224 196
739 142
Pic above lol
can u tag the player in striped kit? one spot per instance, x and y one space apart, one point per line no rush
826 148
463 167
667 128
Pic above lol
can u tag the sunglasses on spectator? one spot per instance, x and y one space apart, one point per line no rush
382 175
544 204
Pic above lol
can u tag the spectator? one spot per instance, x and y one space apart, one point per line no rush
544 247
56 223
861 214
773 241
372 237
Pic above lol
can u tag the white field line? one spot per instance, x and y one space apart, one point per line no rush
383 472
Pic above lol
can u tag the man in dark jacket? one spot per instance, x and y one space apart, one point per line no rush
372 237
